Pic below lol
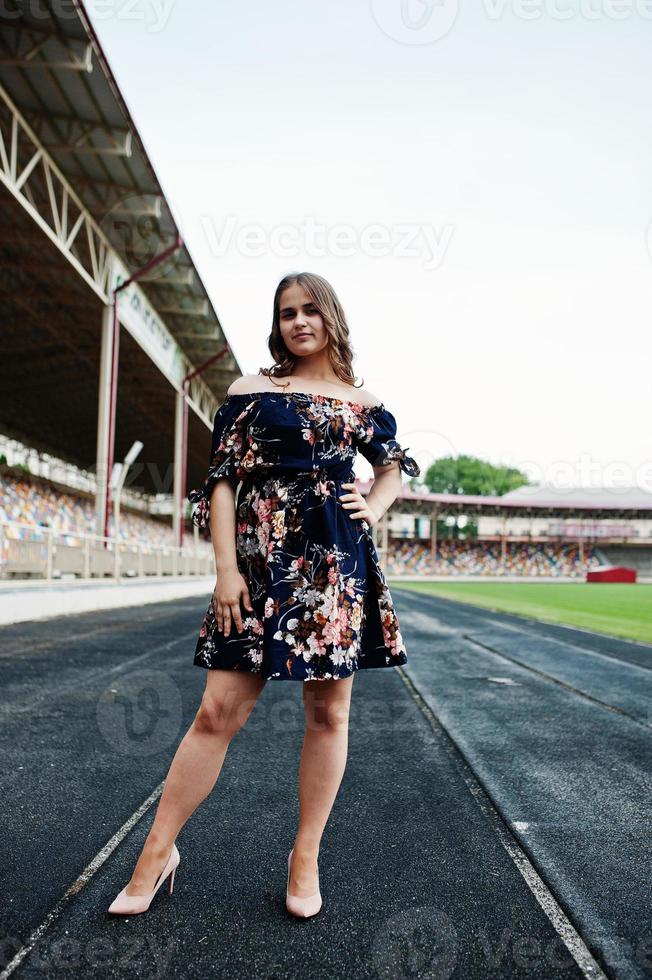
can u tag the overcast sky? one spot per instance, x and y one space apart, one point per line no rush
474 179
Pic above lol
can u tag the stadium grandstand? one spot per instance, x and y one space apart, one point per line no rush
109 338
114 360
47 531
532 532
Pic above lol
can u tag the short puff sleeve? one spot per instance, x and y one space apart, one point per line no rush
228 446
376 441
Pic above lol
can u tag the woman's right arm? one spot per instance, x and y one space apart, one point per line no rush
222 525
231 586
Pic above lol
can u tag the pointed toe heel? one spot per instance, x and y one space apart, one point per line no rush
124 904
302 908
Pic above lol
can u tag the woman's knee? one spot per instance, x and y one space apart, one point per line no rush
327 715
215 716
222 714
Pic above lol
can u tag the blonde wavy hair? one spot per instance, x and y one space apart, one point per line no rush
340 349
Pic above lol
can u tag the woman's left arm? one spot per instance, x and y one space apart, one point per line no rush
384 491
376 440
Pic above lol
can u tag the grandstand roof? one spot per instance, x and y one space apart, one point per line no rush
602 497
541 501
58 95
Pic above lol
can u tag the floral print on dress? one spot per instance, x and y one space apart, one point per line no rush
322 608
378 443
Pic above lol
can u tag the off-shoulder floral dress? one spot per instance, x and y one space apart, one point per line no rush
322 608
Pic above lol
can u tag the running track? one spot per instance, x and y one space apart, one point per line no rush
493 821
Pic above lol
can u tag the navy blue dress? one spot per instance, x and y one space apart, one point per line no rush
322 608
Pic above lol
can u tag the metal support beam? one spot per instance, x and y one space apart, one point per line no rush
80 146
180 443
200 309
74 126
433 536
73 63
153 210
180 278
30 174
103 420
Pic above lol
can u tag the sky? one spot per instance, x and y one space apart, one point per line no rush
474 179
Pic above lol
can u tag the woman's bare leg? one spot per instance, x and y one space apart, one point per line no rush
227 702
322 765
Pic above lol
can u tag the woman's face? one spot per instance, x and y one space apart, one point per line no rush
302 326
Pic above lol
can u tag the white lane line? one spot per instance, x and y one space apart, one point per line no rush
81 882
92 675
561 924
559 641
556 680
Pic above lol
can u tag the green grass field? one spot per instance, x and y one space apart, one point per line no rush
619 610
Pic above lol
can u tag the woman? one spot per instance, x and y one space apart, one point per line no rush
300 594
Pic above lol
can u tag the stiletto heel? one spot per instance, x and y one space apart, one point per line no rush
124 904
301 907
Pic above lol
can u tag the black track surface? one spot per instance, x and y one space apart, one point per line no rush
414 877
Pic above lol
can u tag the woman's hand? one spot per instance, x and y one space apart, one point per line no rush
231 587
359 505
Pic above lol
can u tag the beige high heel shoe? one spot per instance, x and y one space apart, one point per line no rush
301 907
124 904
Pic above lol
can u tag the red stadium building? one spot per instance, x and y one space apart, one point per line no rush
611 573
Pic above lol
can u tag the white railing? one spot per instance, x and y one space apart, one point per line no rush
32 551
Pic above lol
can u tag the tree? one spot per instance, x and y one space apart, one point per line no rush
470 475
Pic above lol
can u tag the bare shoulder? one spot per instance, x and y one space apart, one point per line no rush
250 383
366 398
246 384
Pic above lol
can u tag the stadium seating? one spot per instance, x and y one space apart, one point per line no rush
33 502
485 558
